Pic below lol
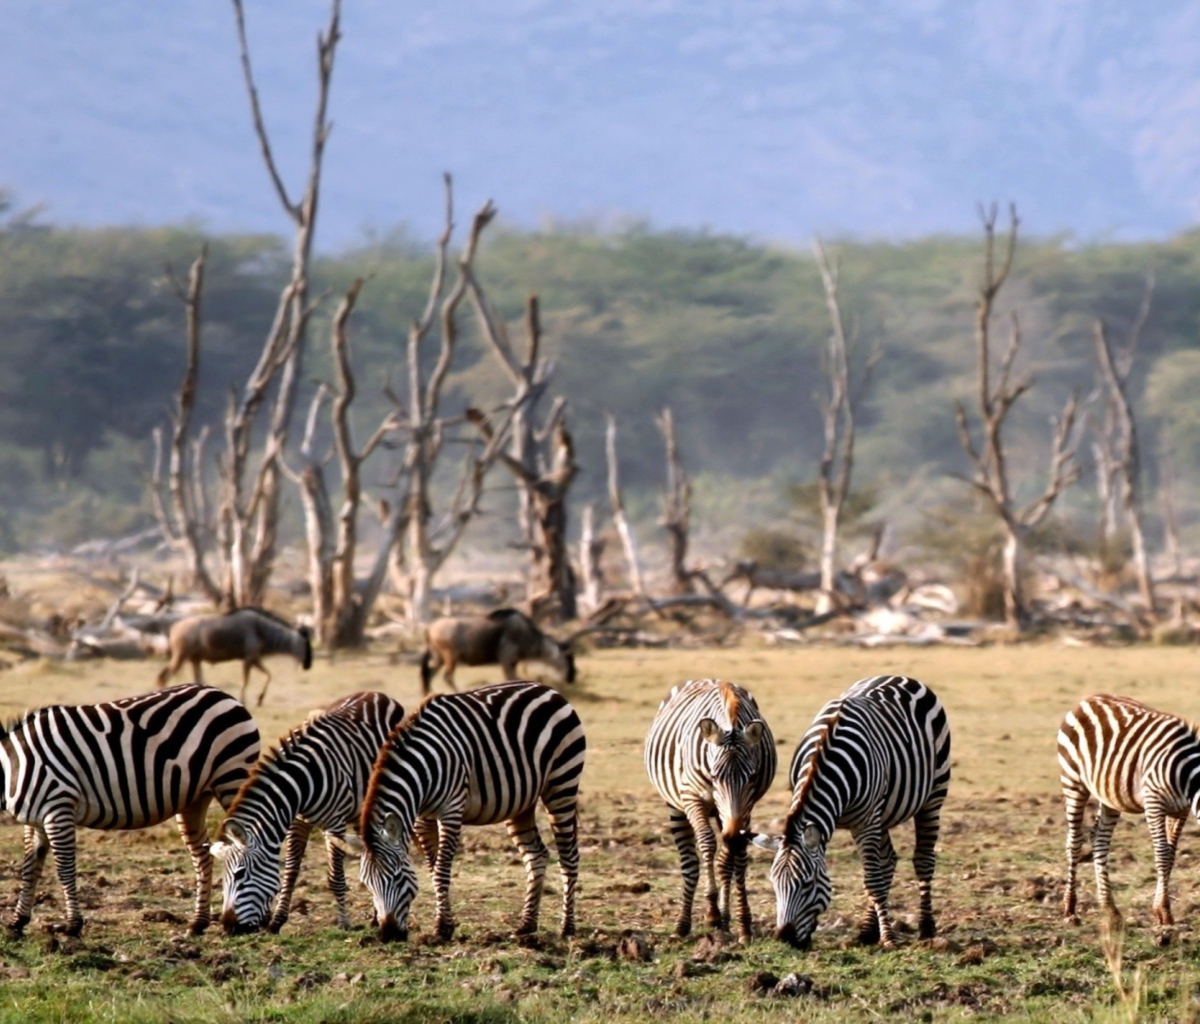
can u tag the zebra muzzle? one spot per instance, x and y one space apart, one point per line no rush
788 934
389 931
232 926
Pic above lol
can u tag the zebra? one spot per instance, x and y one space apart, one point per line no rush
1129 758
124 764
318 777
873 758
474 758
710 754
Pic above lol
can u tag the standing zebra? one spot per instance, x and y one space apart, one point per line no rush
123 765
317 777
1129 758
475 758
873 758
710 754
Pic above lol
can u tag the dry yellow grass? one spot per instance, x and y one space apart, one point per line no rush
998 880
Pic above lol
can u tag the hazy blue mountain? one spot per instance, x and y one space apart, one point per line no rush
774 118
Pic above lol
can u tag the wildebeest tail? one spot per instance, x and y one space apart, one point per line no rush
427 671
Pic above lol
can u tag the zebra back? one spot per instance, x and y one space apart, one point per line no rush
689 760
128 763
1118 749
319 770
881 749
506 745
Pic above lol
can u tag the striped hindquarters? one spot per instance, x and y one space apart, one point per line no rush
1118 749
880 750
128 763
688 761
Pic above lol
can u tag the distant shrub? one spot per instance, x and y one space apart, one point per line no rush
773 548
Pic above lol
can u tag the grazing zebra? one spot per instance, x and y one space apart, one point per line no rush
873 758
1129 758
245 634
475 758
318 777
123 765
710 754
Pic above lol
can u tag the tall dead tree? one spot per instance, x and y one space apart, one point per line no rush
676 508
996 396
838 406
244 536
1119 441
617 503
1170 506
541 457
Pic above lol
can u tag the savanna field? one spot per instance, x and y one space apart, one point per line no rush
1002 948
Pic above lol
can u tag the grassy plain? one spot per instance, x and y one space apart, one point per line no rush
1003 949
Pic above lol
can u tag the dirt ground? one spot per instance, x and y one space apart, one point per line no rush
1002 946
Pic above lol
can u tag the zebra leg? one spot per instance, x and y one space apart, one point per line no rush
1106 821
879 868
565 823
927 823
36 848
194 830
1164 859
449 830
689 864
733 856
523 828
293 855
1075 799
706 842
426 831
336 874
60 831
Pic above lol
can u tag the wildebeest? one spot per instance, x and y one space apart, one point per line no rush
246 634
504 637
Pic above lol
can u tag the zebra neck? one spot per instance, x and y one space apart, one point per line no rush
821 802
279 792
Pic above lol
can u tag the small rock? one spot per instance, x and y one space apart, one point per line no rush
358 979
505 995
341 978
761 982
793 985
633 947
275 970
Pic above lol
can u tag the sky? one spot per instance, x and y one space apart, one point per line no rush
770 119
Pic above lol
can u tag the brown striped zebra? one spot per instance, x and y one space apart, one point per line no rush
1132 759
247 635
478 758
124 764
711 756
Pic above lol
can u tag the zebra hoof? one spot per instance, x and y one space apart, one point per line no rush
73 928
445 931
683 929
197 927
16 927
868 936
927 929
275 925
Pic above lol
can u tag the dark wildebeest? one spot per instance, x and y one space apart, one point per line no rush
504 637
246 635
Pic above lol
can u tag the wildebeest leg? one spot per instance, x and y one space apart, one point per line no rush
509 657
196 677
257 663
448 674
294 845
523 828
174 663
194 830
36 848
60 831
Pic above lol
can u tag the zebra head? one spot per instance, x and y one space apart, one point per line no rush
251 878
732 758
801 881
388 873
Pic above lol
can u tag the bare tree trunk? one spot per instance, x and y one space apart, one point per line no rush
591 550
1170 508
677 508
617 503
1015 611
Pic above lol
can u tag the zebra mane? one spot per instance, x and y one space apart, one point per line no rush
270 759
395 739
814 762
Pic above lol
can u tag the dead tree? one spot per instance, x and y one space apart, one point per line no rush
1170 506
591 554
541 457
1120 443
996 398
838 406
617 503
676 508
244 535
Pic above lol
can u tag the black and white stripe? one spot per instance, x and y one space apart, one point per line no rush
1132 759
125 764
711 755
873 758
475 758
318 777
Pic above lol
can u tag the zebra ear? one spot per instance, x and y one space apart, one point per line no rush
812 837
766 842
754 733
710 730
392 830
351 846
233 833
